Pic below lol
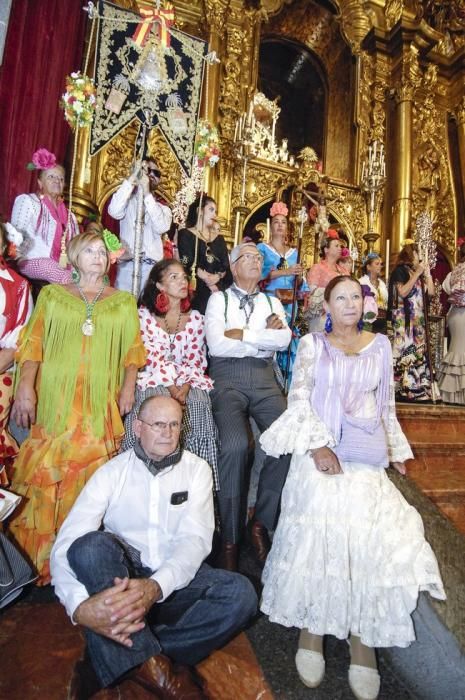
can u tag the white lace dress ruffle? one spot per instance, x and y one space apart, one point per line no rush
349 553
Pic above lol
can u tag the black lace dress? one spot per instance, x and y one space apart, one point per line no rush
211 257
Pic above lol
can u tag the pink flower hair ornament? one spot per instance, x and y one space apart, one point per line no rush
345 253
42 160
279 208
332 233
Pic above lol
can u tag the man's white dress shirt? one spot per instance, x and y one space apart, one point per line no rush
158 217
258 340
136 506
157 220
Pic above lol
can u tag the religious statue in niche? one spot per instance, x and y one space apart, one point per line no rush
318 213
429 177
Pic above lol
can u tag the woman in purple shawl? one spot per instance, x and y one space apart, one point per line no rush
349 555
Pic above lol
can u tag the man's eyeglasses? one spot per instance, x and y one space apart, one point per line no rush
250 256
159 426
153 172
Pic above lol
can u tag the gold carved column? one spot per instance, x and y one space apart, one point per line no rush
83 202
402 162
216 15
459 114
402 170
237 83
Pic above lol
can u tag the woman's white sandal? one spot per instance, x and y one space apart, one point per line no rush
364 682
310 667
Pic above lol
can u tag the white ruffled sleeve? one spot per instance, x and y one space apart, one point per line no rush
398 447
299 428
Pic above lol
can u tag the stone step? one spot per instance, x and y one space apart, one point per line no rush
441 477
445 434
420 449
430 411
438 474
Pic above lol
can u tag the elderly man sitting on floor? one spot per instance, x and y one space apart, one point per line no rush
139 586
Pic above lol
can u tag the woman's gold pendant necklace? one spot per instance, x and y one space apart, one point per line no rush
210 258
88 326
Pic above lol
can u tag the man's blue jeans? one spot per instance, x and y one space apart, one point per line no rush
187 626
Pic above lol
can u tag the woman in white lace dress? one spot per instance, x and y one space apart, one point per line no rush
349 555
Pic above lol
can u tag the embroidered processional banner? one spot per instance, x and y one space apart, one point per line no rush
147 70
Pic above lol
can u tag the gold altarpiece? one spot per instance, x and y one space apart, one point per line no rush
393 73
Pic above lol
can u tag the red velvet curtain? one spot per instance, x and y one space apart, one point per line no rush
44 43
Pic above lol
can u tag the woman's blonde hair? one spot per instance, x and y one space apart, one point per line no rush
77 244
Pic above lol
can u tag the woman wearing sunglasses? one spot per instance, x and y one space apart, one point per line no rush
157 221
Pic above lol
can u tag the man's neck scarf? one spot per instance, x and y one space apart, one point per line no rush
244 298
155 467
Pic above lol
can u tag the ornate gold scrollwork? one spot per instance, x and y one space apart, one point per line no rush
380 87
459 112
170 181
230 99
393 12
355 22
411 76
349 209
432 189
115 160
216 12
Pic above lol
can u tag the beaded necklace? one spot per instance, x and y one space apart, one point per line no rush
88 326
172 336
